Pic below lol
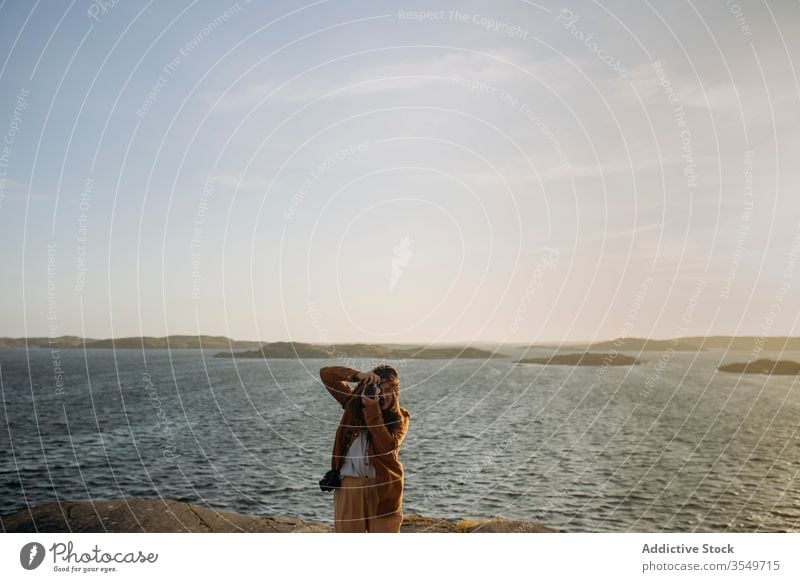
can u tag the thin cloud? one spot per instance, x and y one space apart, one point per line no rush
403 76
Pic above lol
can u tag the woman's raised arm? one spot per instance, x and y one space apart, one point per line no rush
335 379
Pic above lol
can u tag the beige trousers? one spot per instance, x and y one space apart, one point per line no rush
354 508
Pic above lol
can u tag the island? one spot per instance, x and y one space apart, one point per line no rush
583 359
684 344
634 344
372 351
773 367
171 516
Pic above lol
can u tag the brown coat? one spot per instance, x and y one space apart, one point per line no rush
384 445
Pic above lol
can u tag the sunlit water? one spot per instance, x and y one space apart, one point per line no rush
575 448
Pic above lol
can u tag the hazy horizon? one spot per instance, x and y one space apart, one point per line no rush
411 342
474 174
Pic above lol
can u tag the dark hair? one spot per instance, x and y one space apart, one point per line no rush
387 372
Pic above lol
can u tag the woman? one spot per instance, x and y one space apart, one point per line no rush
365 449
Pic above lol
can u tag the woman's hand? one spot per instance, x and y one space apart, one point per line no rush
370 377
367 400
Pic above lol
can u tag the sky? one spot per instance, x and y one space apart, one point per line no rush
340 171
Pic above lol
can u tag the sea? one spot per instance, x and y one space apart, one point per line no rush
670 445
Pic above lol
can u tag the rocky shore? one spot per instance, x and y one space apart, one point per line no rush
170 516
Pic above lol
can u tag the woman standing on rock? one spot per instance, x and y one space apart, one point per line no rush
365 449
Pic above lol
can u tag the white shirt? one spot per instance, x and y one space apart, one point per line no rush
356 463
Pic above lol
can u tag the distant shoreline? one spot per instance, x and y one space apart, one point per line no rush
371 351
210 342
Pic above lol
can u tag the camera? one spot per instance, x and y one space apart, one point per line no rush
330 481
373 390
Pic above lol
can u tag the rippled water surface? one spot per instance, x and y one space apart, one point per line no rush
576 448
